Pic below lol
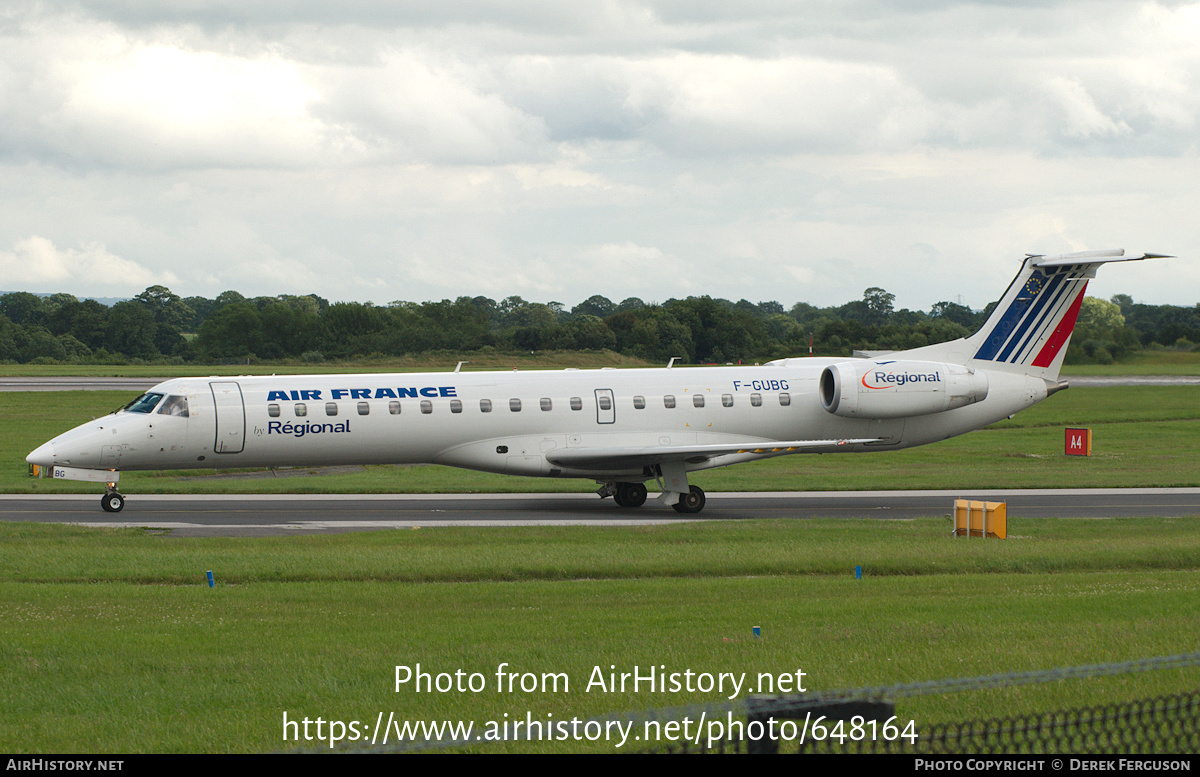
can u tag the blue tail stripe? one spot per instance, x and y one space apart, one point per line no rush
1043 307
1063 301
999 334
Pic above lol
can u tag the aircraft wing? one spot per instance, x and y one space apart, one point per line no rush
624 457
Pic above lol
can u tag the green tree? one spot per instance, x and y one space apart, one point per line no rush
170 313
232 331
596 305
23 308
879 304
130 330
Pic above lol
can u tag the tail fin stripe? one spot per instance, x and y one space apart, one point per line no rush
1043 304
1050 304
1004 326
1037 338
1061 333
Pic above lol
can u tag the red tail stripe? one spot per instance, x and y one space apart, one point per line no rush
1061 334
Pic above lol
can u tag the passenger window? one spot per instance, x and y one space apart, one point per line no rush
756 400
727 400
698 400
485 405
178 406
456 406
273 411
785 399
364 408
576 403
669 401
639 403
545 403
514 405
331 408
301 410
426 406
605 402
394 407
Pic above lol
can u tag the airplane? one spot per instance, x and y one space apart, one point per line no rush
623 428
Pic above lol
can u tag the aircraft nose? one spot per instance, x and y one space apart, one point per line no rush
43 455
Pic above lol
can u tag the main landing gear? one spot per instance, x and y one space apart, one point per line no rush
624 494
112 502
630 494
634 495
691 502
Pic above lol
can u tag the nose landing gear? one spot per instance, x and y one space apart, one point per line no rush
112 502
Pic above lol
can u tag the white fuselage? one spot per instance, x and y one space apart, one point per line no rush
621 427
502 421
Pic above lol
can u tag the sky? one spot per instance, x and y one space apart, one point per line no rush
767 150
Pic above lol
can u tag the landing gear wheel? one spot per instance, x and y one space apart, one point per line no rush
112 502
630 494
691 502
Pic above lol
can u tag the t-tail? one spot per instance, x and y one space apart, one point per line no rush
1031 326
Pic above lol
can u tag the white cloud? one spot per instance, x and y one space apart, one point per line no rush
1075 112
36 263
412 107
418 150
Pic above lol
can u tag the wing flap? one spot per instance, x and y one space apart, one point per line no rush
624 457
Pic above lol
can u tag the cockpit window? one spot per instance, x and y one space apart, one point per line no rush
143 404
178 406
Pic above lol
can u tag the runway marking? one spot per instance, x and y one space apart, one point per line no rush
359 525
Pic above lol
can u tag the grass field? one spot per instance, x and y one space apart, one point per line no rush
114 643
1143 363
1143 436
431 362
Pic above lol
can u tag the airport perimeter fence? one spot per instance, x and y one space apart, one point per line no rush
864 720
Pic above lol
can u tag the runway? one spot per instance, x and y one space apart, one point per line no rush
262 515
78 384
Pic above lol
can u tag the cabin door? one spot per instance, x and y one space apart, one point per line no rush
231 417
606 409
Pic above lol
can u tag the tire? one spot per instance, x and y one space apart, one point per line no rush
691 502
630 494
112 503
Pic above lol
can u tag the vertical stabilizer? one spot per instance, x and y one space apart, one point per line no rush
1032 324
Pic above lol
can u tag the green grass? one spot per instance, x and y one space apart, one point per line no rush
1143 363
1142 436
1156 362
431 362
113 642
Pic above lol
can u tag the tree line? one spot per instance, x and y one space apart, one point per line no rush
159 325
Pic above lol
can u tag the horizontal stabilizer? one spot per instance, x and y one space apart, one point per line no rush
1032 323
1090 257
624 457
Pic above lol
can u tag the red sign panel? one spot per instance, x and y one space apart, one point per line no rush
1078 442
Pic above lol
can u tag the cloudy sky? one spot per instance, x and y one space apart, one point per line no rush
428 149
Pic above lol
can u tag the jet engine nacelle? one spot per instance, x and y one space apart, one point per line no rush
896 389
